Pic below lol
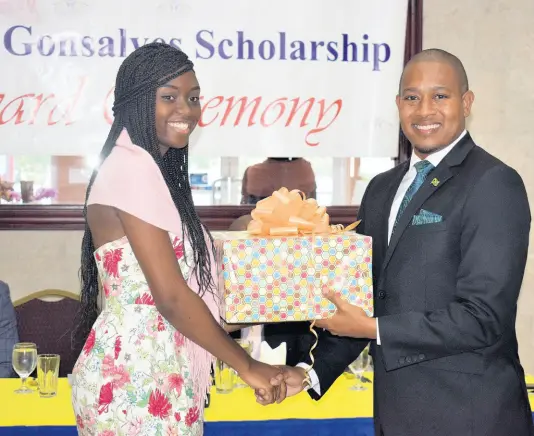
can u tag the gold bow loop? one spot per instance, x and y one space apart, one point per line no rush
289 213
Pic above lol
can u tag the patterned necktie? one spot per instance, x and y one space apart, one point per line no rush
423 168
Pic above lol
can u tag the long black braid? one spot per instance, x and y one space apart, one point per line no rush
138 78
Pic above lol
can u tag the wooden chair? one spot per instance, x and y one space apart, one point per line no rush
46 318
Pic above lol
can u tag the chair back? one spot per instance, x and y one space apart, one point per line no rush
49 324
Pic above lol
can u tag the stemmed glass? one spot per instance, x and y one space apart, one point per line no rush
24 363
358 367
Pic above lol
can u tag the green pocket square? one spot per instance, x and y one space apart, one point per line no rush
426 217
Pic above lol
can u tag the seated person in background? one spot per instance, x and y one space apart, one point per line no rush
260 180
296 335
8 331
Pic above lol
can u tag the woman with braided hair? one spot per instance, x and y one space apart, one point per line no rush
145 364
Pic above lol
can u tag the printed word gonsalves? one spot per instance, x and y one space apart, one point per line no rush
23 40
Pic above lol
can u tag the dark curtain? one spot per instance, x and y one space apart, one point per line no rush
413 45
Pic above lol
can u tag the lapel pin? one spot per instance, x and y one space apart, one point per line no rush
435 181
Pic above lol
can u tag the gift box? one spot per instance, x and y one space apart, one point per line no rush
275 271
278 279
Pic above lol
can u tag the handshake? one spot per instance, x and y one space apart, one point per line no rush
273 383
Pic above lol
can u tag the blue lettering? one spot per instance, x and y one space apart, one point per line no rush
365 49
107 48
222 53
271 49
315 44
377 58
8 41
240 47
63 47
123 42
331 47
20 41
205 44
353 47
135 42
41 45
176 43
282 46
87 47
299 54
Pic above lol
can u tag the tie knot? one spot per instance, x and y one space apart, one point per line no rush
423 167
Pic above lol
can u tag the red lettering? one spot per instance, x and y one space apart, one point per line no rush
37 102
277 104
304 119
339 104
312 116
202 122
19 111
244 106
40 102
71 105
50 120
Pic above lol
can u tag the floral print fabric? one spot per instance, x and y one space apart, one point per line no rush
133 375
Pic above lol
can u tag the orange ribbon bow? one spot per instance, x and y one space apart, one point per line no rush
290 213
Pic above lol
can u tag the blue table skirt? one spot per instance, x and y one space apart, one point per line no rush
289 427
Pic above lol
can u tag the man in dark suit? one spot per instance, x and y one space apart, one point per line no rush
450 233
8 331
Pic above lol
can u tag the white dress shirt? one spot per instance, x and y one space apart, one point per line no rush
434 159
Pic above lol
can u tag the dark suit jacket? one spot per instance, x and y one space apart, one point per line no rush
8 331
445 296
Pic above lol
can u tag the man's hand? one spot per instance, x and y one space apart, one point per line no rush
293 378
349 320
267 380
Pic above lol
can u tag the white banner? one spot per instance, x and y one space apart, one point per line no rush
278 77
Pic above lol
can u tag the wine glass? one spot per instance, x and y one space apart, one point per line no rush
24 363
358 367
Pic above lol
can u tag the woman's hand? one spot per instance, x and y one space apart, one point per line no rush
266 380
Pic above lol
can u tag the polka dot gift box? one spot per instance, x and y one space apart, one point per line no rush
279 278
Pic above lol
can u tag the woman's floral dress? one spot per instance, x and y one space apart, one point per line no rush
133 375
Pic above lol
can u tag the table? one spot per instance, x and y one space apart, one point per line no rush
341 412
